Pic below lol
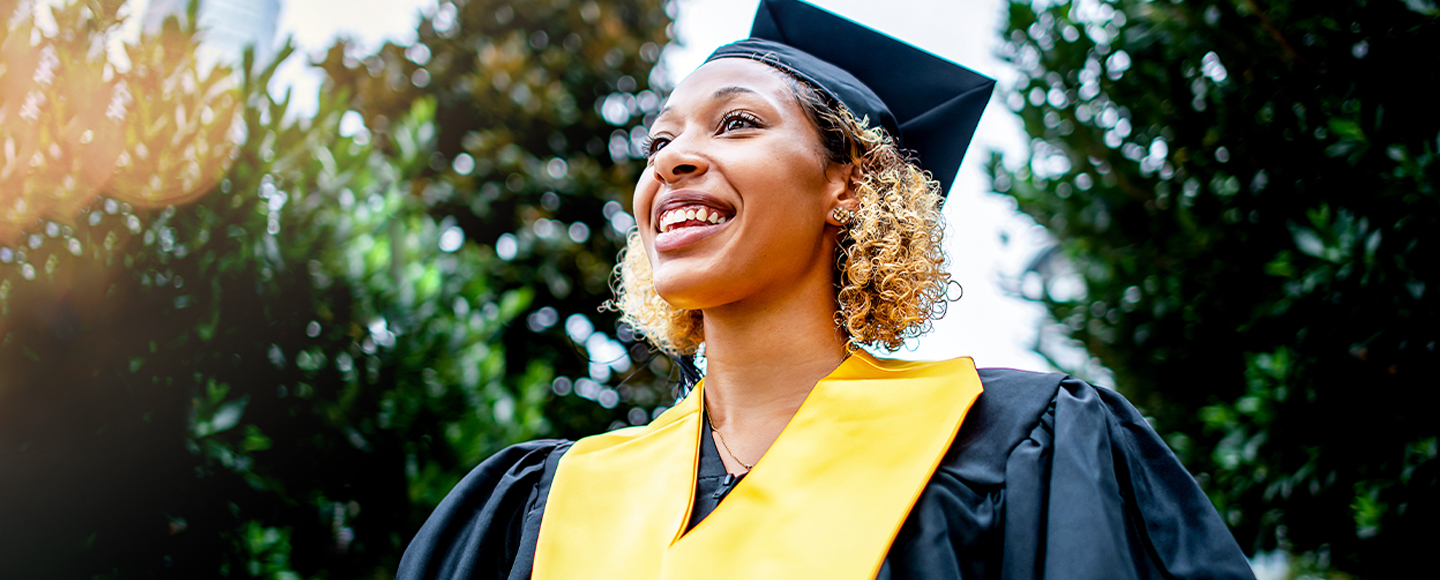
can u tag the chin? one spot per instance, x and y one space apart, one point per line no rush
682 293
690 289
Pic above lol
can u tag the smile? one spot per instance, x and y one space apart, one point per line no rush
691 216
687 225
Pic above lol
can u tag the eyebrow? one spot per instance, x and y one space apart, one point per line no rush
721 93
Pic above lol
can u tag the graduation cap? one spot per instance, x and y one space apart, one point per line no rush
928 104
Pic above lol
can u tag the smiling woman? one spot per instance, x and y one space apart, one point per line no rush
884 221
790 215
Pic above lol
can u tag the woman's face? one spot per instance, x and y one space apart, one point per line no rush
735 201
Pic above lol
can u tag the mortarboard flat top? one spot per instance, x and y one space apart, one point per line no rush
929 104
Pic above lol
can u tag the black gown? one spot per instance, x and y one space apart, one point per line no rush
1048 477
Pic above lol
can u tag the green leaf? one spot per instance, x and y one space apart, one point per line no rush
1347 129
1308 242
225 417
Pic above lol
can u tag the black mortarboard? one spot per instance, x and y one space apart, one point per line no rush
929 104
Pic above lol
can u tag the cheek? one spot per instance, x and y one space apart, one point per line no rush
780 160
640 204
791 187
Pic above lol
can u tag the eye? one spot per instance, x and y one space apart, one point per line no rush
738 120
653 144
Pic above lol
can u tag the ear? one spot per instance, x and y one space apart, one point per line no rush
843 179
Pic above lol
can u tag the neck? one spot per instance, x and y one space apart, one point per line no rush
761 362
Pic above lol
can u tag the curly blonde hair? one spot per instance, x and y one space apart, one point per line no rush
889 264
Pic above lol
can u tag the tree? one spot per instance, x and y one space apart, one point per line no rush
543 105
1247 190
271 354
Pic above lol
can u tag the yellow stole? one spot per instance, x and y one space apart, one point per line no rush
824 502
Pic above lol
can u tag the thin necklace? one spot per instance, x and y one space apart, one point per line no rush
721 437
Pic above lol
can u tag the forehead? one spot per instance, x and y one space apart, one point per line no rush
728 78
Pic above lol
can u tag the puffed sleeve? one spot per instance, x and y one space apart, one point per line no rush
487 526
1050 477
1093 492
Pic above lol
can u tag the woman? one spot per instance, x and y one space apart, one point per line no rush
780 223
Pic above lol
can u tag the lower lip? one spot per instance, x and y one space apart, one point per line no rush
682 237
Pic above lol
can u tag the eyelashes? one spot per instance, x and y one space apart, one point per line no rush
731 121
735 120
652 145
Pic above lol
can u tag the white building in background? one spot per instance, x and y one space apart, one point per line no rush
228 26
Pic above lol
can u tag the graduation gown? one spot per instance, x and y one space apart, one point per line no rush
1048 477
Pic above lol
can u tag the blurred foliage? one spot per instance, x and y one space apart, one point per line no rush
543 106
1246 193
263 347
74 130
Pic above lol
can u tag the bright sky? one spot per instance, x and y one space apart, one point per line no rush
996 329
314 25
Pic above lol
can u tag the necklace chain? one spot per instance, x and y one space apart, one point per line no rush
721 437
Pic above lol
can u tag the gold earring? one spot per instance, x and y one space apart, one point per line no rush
843 215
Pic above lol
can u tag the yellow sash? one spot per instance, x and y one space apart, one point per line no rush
824 502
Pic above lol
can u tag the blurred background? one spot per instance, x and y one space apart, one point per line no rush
274 274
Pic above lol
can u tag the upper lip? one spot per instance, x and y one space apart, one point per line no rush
682 198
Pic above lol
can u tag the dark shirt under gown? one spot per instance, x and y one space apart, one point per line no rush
1048 477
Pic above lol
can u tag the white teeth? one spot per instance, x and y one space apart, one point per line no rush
672 217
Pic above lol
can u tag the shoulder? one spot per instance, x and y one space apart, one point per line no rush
1015 398
489 517
507 470
514 469
524 455
1089 489
1021 411
511 471
1012 405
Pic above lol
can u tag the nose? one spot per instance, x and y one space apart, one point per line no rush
675 162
